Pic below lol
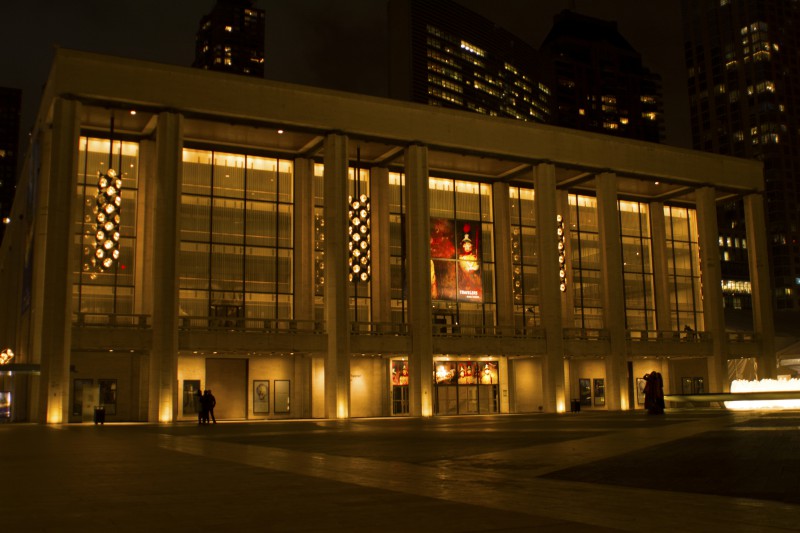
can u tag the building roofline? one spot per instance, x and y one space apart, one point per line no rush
114 81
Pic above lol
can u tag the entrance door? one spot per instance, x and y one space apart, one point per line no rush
227 379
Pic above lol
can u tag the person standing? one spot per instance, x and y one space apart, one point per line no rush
211 402
202 414
654 393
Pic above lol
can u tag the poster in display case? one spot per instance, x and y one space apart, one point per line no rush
261 396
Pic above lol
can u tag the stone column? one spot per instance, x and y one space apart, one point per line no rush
337 309
761 289
418 262
503 267
304 276
379 246
711 278
58 260
613 291
165 187
304 285
550 295
658 234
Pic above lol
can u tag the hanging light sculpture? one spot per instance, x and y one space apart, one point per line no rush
562 253
6 356
108 202
359 243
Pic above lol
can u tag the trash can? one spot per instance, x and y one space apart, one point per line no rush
99 415
575 406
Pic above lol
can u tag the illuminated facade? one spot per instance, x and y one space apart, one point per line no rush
231 39
743 85
513 267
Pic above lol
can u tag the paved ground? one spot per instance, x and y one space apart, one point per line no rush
703 470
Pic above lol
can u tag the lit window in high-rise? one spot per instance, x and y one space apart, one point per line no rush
472 48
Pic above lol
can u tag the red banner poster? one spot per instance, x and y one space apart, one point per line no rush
455 263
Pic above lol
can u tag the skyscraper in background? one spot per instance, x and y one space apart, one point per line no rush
445 55
585 76
231 39
601 83
10 108
744 84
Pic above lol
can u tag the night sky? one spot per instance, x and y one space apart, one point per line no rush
339 44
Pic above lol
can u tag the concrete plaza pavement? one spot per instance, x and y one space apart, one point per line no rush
689 470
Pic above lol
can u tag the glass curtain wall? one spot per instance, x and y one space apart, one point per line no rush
110 292
462 252
683 268
397 247
236 238
584 250
524 259
319 242
634 224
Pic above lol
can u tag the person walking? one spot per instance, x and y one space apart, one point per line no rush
211 402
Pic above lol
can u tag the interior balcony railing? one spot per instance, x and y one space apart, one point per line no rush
586 334
120 320
743 336
379 328
458 330
652 335
251 325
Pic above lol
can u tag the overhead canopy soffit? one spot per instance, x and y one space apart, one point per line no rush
676 183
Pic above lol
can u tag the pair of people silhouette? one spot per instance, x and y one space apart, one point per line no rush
207 404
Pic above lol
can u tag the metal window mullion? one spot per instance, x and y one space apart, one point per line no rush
210 233
244 242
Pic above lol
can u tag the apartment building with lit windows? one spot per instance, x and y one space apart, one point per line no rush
231 39
10 110
744 86
445 55
601 83
306 253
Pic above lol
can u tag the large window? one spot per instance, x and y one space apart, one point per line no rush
110 292
524 259
320 274
359 292
462 252
584 251
397 247
637 265
465 387
236 238
683 268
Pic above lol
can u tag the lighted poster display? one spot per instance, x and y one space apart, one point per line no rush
465 373
455 264
399 373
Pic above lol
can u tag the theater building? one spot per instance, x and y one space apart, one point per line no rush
306 253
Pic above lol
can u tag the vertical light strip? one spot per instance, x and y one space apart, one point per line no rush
562 253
